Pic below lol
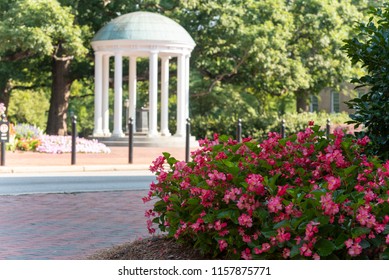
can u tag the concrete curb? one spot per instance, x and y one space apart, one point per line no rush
73 168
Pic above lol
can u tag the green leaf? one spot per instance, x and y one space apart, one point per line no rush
269 233
325 247
386 231
339 242
294 251
350 169
364 244
166 155
356 232
261 213
229 214
284 223
193 201
385 254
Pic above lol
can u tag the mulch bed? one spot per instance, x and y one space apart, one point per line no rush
153 248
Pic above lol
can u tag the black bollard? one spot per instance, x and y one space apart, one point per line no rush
74 134
239 131
283 135
328 128
130 140
187 142
2 153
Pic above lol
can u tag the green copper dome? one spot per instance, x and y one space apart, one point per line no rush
144 26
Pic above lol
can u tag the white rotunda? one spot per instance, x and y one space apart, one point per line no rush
135 35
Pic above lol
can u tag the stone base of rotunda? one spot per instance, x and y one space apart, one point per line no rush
143 140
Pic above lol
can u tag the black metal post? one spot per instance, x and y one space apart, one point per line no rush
239 131
74 134
130 140
187 142
2 153
328 128
283 128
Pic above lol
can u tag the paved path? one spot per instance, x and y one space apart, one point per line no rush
72 226
69 226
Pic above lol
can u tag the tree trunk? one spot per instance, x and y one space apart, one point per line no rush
5 93
302 101
59 101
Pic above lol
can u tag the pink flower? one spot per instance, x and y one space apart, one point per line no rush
330 208
282 236
246 238
355 250
333 182
245 220
387 239
316 257
231 194
219 225
157 164
246 254
215 175
180 165
286 253
266 247
310 230
365 218
150 227
222 244
349 242
198 225
274 205
305 250
364 141
254 182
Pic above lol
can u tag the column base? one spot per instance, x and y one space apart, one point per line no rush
166 133
118 134
180 134
98 133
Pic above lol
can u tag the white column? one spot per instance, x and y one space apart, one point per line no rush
165 96
98 131
132 90
187 67
105 105
180 96
153 94
118 103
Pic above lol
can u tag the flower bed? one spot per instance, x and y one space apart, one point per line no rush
63 144
302 197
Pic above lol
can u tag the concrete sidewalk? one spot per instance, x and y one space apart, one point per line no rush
117 160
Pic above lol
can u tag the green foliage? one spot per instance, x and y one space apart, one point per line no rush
81 104
370 48
258 126
301 197
30 107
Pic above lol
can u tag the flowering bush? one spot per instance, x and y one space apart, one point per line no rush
27 131
301 197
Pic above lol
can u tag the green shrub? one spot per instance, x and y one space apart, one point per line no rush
302 197
370 47
257 127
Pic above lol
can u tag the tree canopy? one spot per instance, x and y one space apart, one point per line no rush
258 49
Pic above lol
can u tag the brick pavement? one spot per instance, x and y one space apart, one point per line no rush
69 226
72 226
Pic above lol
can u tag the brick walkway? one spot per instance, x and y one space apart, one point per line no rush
72 226
69 226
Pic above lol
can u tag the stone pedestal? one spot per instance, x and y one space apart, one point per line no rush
142 120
